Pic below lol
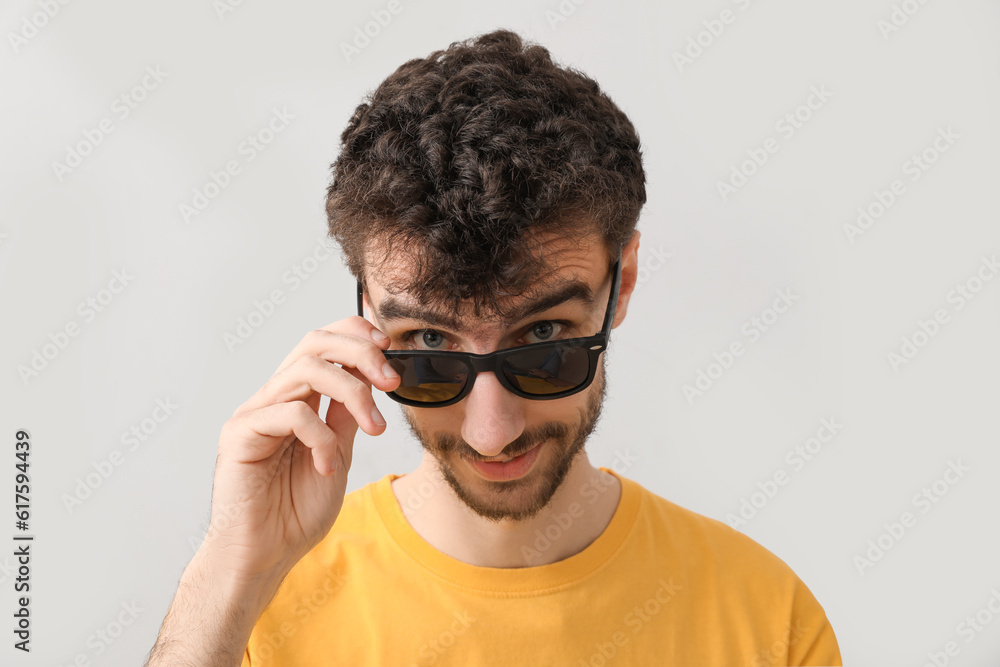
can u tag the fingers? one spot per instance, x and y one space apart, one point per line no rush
311 376
341 360
347 342
255 435
318 340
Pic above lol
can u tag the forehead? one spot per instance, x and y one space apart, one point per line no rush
575 274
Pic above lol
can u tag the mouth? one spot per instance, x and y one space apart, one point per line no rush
502 470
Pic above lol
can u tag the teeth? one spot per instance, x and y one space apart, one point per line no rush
509 458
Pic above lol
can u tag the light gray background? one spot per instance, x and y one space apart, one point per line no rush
162 337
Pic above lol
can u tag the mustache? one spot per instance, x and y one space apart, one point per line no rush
526 441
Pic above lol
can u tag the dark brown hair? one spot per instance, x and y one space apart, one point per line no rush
461 159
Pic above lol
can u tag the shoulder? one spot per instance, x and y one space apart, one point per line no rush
710 551
736 577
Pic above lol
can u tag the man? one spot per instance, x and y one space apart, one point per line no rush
486 200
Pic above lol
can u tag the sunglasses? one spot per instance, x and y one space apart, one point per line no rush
539 371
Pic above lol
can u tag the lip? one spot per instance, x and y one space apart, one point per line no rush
517 467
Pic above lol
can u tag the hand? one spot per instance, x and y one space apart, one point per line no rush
281 472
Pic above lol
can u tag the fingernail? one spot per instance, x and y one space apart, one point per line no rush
378 335
389 371
377 417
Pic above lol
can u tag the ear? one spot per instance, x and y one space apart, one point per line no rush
630 273
366 307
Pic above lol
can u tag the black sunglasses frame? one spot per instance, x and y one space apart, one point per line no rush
493 361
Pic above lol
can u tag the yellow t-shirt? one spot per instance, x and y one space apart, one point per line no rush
662 585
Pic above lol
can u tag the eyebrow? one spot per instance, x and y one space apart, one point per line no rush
392 309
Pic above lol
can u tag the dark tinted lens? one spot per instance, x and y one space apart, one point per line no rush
429 379
548 370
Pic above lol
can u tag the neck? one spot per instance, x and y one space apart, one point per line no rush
577 514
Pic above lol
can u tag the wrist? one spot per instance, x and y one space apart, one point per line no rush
232 591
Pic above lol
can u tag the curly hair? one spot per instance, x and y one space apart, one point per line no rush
464 158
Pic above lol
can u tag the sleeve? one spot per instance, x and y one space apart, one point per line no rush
246 658
812 642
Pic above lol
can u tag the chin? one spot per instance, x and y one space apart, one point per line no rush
511 500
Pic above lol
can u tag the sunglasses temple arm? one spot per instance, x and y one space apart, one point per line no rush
609 318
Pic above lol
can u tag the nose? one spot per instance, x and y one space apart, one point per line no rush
494 417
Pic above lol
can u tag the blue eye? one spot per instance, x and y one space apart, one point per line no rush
432 339
425 339
544 330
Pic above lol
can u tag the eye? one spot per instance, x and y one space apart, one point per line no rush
426 339
545 331
431 339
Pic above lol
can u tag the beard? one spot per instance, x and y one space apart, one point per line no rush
518 499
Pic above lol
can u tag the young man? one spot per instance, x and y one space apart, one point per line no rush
486 200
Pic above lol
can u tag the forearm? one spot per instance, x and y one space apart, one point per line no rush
209 621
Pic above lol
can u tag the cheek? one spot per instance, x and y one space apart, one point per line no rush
564 410
430 421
